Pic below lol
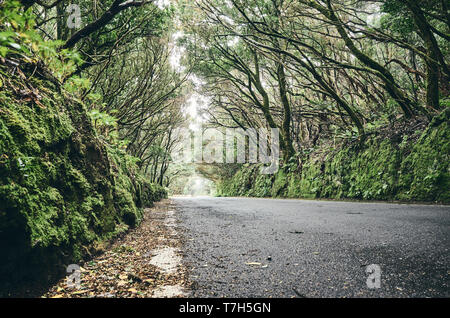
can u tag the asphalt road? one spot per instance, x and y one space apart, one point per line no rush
314 248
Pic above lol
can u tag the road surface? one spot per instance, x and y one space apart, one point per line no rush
243 247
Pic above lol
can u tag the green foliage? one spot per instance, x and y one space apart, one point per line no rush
262 187
280 184
397 18
425 172
17 29
380 169
76 84
61 189
19 38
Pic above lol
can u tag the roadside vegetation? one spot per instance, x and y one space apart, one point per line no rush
358 89
81 116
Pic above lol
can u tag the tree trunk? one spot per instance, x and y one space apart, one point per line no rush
289 151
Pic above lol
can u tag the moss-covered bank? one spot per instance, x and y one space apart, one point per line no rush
62 189
401 168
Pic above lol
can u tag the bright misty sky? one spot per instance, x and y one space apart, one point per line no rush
196 101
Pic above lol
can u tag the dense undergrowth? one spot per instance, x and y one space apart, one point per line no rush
64 187
413 166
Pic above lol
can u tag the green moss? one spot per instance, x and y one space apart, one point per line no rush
380 169
280 183
425 172
293 188
61 188
262 187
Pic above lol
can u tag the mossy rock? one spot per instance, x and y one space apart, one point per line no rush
61 188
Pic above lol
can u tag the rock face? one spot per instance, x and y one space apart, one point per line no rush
62 188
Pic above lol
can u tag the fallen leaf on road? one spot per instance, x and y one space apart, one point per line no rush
80 292
253 263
